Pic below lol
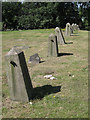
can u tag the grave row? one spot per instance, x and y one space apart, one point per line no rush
54 40
19 82
71 28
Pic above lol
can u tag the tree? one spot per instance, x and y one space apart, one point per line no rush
10 13
83 14
34 15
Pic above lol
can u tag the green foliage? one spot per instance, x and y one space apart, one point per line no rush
10 13
83 14
36 15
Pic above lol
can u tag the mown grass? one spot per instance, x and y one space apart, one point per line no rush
71 72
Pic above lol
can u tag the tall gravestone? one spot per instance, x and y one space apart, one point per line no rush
19 81
78 27
52 45
68 32
75 26
71 29
60 37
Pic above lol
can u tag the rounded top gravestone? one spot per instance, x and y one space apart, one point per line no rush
68 33
59 35
57 29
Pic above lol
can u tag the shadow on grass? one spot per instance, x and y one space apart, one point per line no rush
75 35
40 92
41 61
64 54
68 42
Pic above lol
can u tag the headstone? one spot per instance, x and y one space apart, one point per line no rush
68 32
19 81
71 29
34 58
52 45
75 26
59 35
78 27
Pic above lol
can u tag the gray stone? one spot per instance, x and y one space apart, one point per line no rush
59 35
71 29
52 45
75 26
19 81
78 27
68 32
34 58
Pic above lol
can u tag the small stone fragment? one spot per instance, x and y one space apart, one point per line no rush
52 78
47 76
30 103
34 58
73 76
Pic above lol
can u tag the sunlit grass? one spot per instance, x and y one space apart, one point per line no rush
71 72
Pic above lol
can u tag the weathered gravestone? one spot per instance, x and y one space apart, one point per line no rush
68 32
73 26
71 29
52 45
59 35
19 82
78 27
34 58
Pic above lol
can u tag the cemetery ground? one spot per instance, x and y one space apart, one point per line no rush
70 68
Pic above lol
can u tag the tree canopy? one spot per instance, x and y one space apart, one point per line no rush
35 15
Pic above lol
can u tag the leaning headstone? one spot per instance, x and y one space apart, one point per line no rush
52 45
68 32
59 35
19 81
34 58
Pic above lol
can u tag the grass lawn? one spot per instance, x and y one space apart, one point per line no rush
71 72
